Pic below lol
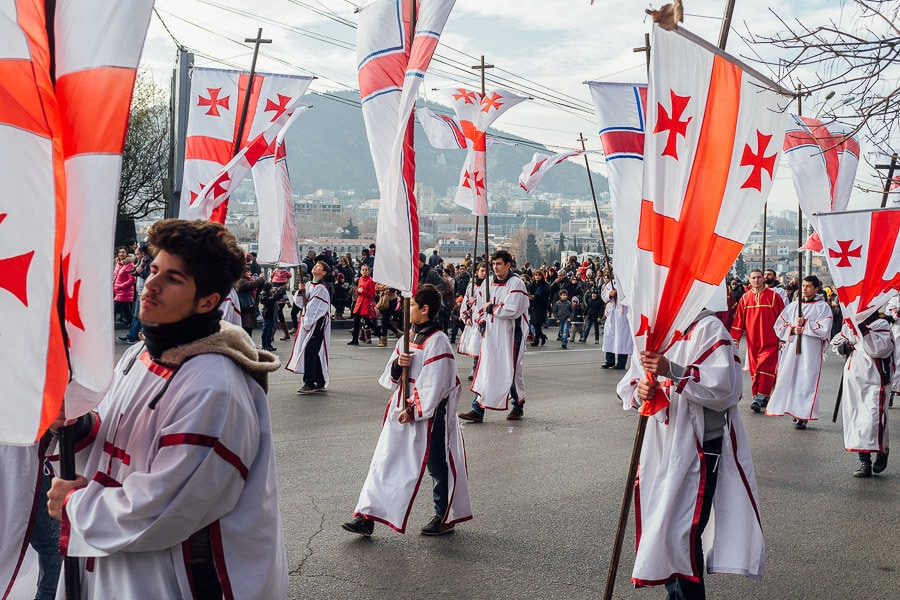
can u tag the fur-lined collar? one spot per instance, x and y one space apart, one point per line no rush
230 341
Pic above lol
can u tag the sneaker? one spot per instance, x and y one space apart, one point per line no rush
596 342
471 416
755 405
515 414
619 368
564 346
360 525
436 527
880 463
864 470
308 389
353 343
801 424
125 340
606 366
470 377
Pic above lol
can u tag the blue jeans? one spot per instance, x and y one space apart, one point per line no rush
564 332
588 323
45 541
268 332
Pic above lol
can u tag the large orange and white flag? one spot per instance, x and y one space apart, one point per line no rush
392 58
63 119
862 249
714 135
823 161
476 112
217 99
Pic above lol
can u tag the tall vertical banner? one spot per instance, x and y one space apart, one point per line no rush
714 135
392 61
65 129
622 114
863 255
823 161
217 96
476 112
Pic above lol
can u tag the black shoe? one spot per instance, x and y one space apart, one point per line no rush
515 414
353 343
800 424
436 527
864 470
564 346
269 348
534 344
125 340
308 389
880 463
470 377
619 368
543 340
756 405
471 416
606 366
360 525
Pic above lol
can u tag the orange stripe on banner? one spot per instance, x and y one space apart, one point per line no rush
94 106
199 147
31 19
20 104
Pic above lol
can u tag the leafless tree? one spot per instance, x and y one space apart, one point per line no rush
854 59
146 153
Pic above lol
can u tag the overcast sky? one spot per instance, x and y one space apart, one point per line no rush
549 46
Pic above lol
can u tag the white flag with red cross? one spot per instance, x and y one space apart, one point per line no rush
64 121
476 112
533 172
622 113
392 58
863 255
217 99
823 161
443 131
714 135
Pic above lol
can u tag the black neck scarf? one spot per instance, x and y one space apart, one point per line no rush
160 338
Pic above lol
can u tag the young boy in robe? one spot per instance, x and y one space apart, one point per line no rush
420 431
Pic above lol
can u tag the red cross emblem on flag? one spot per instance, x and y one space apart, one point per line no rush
14 273
758 161
845 253
278 107
673 124
213 102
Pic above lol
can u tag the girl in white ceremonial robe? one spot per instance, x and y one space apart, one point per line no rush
421 432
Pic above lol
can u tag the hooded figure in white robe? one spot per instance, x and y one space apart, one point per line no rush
315 324
471 314
617 337
703 386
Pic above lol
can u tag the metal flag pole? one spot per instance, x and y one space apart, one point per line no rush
799 347
410 130
587 167
487 253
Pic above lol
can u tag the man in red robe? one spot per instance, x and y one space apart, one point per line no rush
756 314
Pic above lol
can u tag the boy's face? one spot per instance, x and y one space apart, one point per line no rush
318 272
417 314
169 294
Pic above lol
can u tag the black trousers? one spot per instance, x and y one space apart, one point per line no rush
437 461
682 589
312 364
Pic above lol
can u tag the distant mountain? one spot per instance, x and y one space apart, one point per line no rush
327 148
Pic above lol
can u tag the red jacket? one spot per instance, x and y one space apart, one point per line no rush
365 299
123 282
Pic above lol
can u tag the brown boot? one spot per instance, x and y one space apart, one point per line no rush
382 341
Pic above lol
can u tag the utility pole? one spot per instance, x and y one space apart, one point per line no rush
890 178
243 116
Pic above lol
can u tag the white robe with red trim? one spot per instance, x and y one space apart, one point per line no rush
892 308
20 472
471 312
669 487
398 463
796 390
231 308
317 304
617 336
500 361
864 400
202 457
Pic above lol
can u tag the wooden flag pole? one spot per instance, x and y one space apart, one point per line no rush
799 347
487 253
404 377
246 107
890 177
475 255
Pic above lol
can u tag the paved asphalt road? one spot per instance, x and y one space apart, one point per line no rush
546 493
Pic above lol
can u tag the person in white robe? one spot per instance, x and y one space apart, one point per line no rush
805 338
866 381
418 432
231 308
471 314
178 497
309 355
695 466
499 377
617 340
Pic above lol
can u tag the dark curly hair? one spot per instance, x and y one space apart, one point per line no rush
210 253
428 295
